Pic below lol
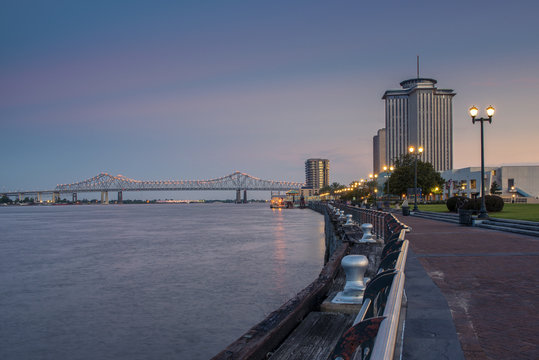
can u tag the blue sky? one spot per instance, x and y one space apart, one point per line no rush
160 90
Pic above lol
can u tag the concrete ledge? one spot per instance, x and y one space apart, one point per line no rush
429 331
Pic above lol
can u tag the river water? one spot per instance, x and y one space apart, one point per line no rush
147 281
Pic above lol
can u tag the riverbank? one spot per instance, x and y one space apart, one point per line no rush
310 325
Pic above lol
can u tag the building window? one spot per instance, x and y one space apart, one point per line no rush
510 183
473 184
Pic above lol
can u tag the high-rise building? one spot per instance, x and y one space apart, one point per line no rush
379 151
316 173
420 115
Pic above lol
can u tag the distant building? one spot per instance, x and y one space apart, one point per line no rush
420 115
316 173
517 183
379 151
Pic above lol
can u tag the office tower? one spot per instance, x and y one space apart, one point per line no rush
379 151
316 173
420 115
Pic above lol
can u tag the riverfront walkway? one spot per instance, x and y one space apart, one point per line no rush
490 280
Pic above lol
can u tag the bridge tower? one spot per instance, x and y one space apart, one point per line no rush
120 197
238 196
104 197
74 198
245 196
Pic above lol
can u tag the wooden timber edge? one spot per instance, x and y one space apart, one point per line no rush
268 334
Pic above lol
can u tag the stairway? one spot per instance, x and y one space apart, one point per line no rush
447 217
514 226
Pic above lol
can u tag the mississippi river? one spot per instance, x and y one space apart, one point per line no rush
147 281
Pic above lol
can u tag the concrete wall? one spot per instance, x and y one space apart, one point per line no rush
525 178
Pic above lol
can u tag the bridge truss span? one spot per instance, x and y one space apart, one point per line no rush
235 181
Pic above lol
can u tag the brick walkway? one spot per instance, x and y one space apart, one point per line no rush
490 280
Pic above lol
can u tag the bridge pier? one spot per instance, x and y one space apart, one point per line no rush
55 196
74 198
104 197
245 196
39 198
21 197
120 197
238 196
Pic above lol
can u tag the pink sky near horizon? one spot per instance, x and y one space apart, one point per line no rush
220 92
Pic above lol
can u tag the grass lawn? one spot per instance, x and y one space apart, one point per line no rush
431 207
528 212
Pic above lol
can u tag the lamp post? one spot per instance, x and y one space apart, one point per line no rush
416 153
391 168
490 112
372 182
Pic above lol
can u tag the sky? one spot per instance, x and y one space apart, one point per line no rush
158 90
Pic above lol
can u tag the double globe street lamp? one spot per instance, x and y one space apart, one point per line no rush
490 112
416 152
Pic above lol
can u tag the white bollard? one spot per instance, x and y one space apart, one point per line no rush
349 221
368 237
354 267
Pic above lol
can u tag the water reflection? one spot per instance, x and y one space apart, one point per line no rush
322 239
162 280
279 247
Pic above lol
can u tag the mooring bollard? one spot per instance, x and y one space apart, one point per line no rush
367 233
342 217
354 267
349 220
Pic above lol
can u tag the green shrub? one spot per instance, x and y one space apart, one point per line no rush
454 202
493 203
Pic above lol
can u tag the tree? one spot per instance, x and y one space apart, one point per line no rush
357 194
495 189
331 188
402 177
5 200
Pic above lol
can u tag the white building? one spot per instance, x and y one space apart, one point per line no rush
420 115
517 183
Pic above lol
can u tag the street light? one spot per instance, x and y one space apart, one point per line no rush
416 153
391 168
372 182
490 112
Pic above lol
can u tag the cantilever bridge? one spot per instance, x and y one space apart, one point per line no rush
104 183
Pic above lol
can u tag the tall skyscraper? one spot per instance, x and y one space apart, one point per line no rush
379 151
316 173
420 115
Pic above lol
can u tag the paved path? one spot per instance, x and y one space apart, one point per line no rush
490 280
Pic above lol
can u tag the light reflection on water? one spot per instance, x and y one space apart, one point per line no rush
280 249
147 281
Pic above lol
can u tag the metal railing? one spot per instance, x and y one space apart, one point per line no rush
385 225
375 328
